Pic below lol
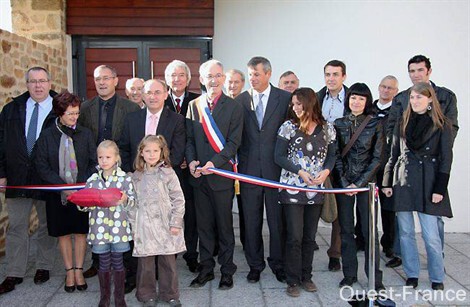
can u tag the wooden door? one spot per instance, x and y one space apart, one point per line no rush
160 57
124 60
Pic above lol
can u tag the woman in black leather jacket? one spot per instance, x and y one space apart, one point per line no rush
355 169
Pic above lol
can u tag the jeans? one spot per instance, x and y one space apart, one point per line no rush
432 242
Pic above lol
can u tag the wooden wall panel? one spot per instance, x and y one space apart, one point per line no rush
140 17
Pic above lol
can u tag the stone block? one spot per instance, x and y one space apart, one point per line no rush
7 81
6 46
19 74
7 64
38 18
47 5
53 22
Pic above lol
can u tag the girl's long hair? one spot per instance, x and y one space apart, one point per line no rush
139 163
311 107
438 118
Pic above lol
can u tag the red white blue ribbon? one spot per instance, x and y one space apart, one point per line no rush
47 187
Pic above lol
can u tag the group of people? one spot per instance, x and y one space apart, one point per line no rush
160 146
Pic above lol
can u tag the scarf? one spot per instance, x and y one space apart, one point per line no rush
418 126
68 169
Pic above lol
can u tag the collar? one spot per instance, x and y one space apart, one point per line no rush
159 113
111 101
265 92
383 106
46 104
340 94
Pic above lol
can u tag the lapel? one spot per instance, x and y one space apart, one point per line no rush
22 115
273 102
162 123
94 115
219 106
141 122
250 106
117 115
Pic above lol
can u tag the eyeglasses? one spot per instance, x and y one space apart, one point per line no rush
384 87
156 93
72 113
105 79
40 81
210 77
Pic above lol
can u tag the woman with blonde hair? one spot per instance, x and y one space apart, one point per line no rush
418 170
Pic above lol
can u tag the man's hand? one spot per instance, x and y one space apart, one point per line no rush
193 169
3 181
436 198
351 186
387 191
205 168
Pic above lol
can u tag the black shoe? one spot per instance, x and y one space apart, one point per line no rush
347 281
84 286
201 280
91 272
395 262
253 276
226 282
9 284
412 282
379 287
280 276
193 265
334 264
315 246
129 286
41 276
437 286
360 245
389 252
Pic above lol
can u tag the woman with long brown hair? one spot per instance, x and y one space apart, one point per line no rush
418 170
305 149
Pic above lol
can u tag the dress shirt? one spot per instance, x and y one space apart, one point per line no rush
333 107
44 109
264 99
148 118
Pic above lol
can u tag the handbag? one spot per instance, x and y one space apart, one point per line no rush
329 211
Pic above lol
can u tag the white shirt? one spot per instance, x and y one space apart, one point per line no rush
383 106
45 107
264 99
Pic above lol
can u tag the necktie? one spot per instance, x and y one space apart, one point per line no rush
259 111
211 105
32 129
104 115
152 125
178 106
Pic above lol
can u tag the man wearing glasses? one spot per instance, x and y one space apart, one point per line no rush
104 116
21 122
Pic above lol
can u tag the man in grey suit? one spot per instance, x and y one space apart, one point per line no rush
104 115
213 194
265 109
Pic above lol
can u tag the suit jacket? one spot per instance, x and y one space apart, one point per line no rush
188 96
170 125
228 115
15 163
322 93
90 110
256 154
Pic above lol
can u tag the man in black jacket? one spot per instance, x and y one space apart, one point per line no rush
21 122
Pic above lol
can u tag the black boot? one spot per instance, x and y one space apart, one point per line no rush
105 288
119 279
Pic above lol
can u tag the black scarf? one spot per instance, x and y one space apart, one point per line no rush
417 128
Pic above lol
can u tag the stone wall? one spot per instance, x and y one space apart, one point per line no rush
19 53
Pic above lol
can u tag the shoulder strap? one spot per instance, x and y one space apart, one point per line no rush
355 136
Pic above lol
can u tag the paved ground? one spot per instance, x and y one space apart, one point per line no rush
268 292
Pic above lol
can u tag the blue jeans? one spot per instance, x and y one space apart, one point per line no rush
432 242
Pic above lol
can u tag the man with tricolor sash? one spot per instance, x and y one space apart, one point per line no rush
214 124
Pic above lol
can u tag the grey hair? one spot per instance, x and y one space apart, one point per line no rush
390 77
254 61
113 70
236 71
129 82
37 68
172 66
205 66
158 81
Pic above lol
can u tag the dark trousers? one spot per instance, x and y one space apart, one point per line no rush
167 282
301 226
215 224
130 263
348 243
335 244
254 200
241 220
190 224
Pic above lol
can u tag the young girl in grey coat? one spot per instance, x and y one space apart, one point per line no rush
157 222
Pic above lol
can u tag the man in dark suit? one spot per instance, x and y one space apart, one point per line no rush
178 78
104 115
139 124
213 194
21 122
331 98
265 109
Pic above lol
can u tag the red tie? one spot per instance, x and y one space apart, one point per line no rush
178 107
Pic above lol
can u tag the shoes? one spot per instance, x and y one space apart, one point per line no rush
379 287
315 246
174 303
226 282
437 286
201 280
81 287
309 286
41 276
334 264
395 262
129 286
388 252
71 288
193 265
293 290
412 282
347 281
91 272
280 275
253 276
9 284
360 245
150 303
